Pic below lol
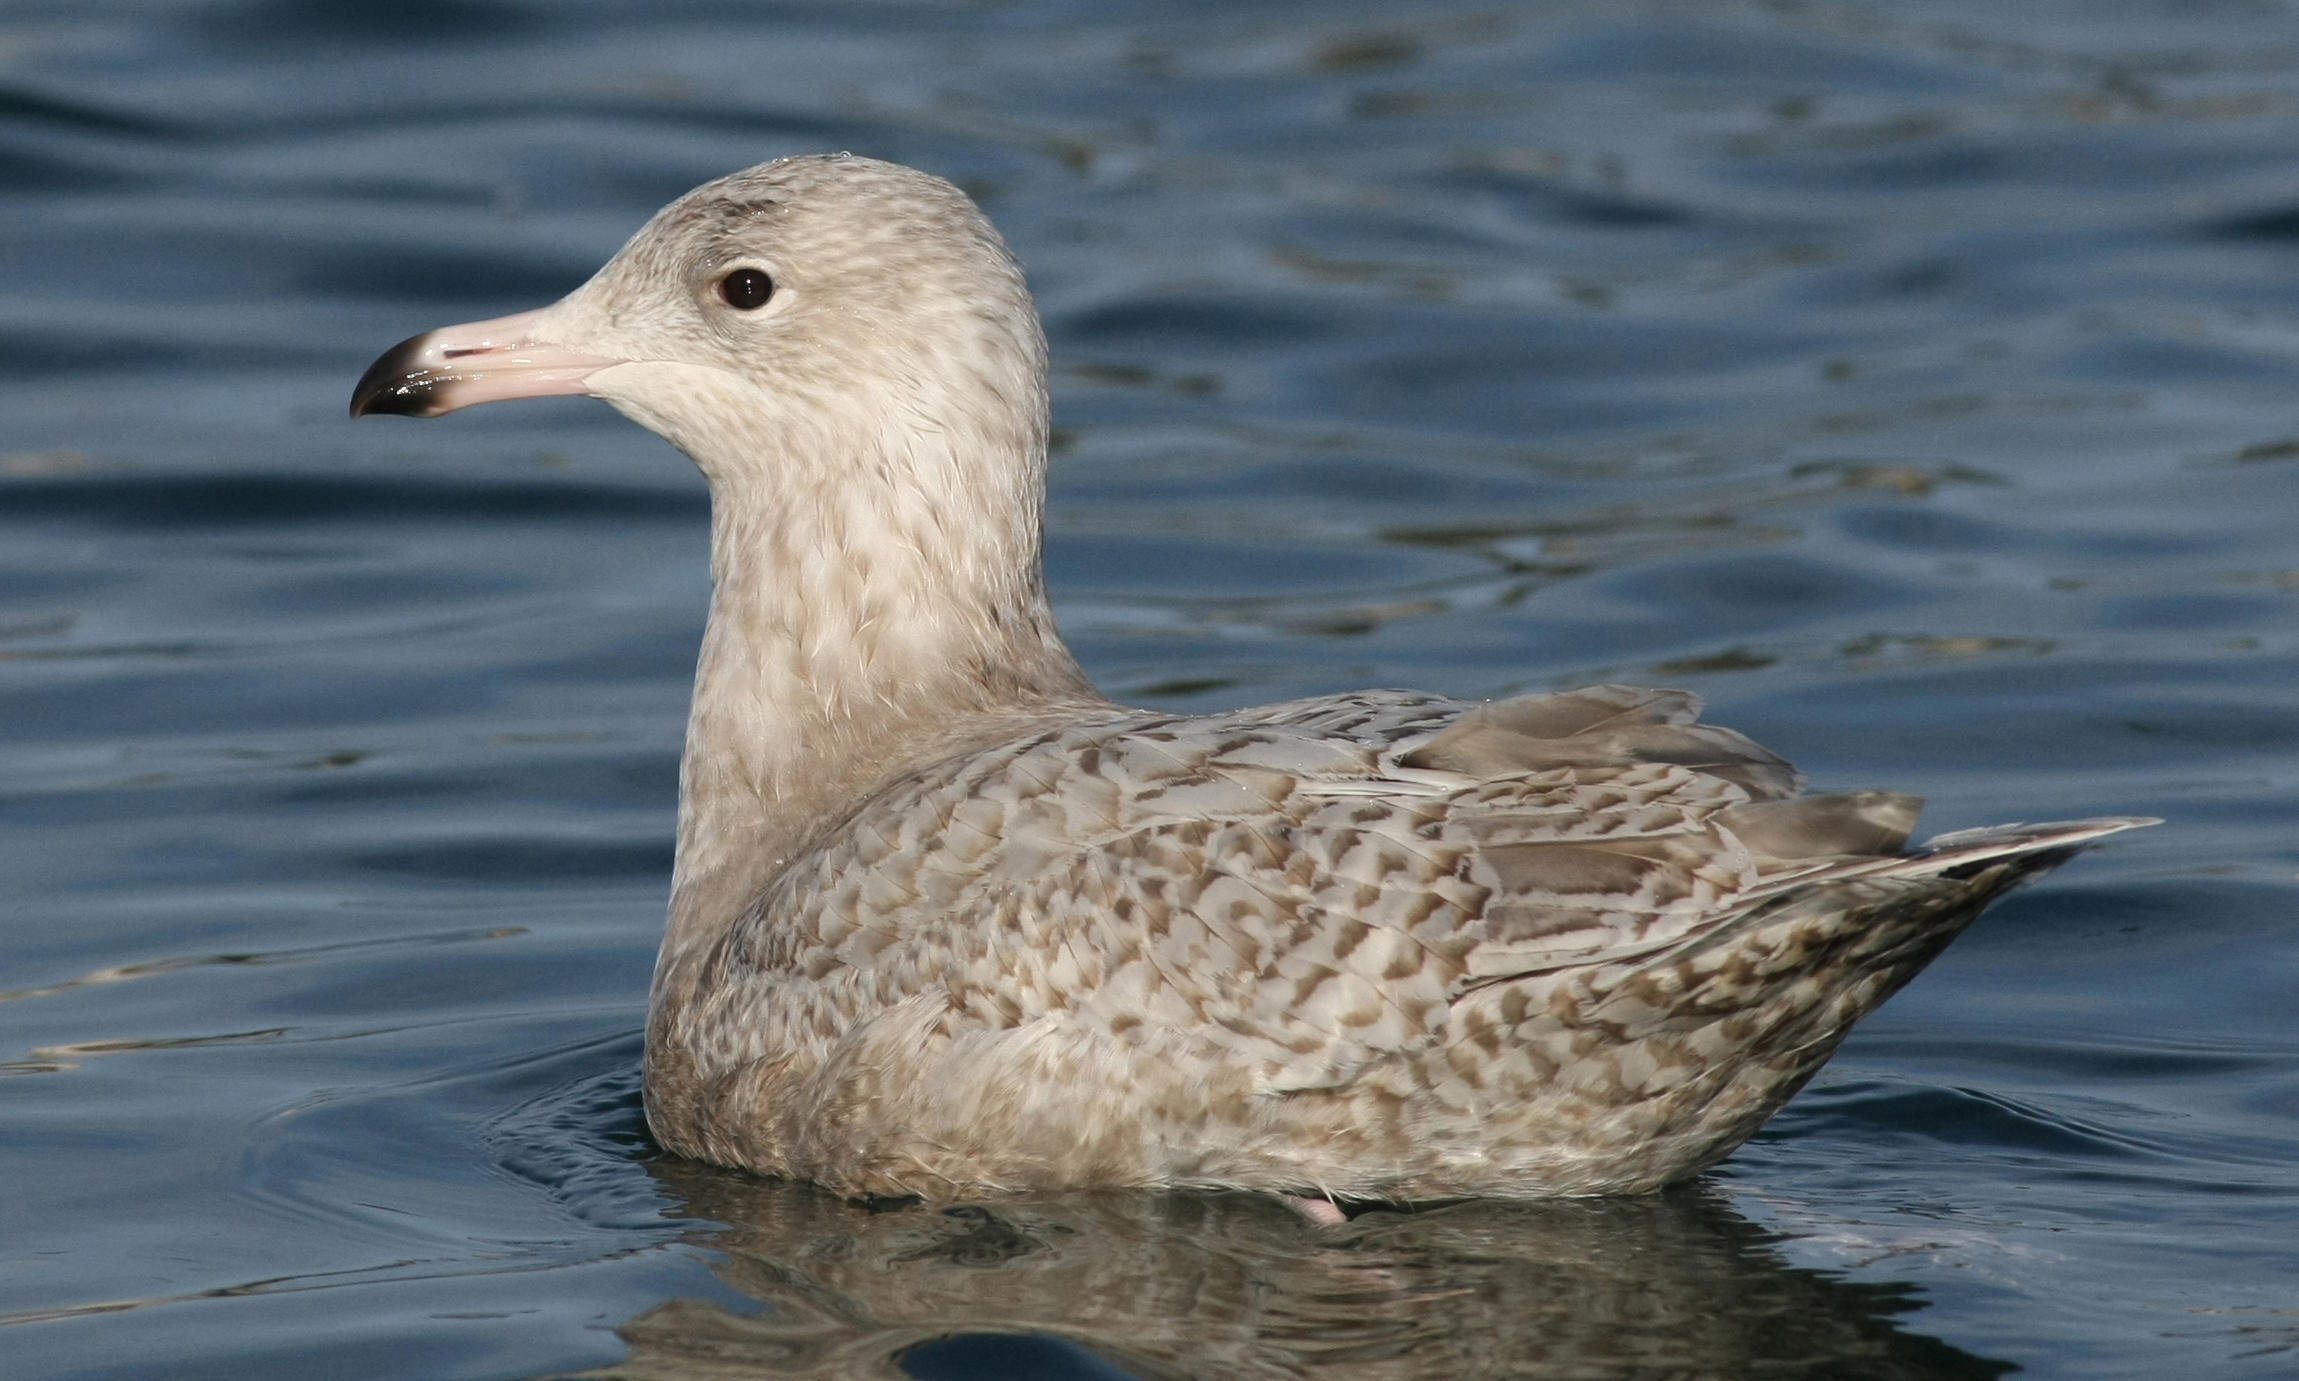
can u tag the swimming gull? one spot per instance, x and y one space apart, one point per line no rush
945 921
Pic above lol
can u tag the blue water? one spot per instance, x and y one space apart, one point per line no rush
1919 382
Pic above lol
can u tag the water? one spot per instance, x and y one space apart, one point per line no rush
1915 381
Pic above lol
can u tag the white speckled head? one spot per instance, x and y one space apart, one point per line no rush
883 374
894 306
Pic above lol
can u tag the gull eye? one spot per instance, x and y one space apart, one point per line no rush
745 290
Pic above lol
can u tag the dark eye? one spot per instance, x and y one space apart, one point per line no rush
745 290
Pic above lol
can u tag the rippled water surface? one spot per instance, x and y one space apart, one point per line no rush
1919 382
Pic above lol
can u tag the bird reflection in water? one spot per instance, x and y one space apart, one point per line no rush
1154 1286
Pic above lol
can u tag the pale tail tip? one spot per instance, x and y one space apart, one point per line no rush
2049 834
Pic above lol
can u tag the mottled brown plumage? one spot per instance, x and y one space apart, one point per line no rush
945 921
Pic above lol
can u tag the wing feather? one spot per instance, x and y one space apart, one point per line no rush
1305 890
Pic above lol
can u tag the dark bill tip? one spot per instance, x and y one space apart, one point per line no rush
399 383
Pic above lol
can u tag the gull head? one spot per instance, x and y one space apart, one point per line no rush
833 308
849 354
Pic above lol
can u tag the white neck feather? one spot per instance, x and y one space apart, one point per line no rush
876 603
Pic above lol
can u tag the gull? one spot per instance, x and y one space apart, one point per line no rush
945 921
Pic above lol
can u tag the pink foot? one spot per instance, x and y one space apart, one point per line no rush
1323 1212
